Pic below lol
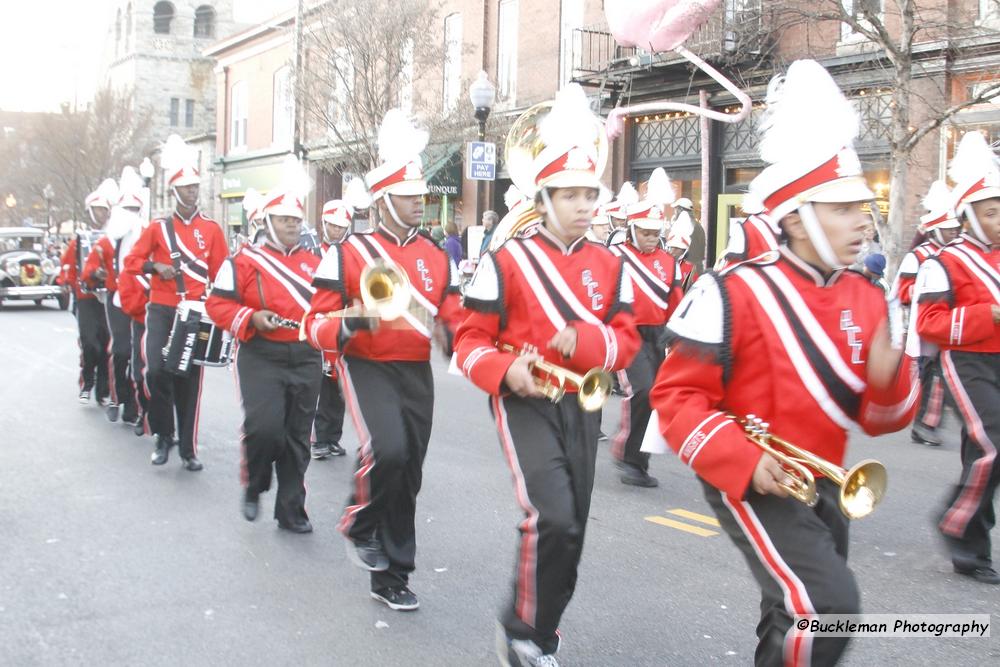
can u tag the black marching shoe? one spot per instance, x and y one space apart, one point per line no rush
984 574
368 555
301 526
103 401
251 506
634 476
192 464
336 449
521 652
113 411
924 435
319 451
162 452
139 428
398 598
85 395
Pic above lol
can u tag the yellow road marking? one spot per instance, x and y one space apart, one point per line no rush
688 528
694 516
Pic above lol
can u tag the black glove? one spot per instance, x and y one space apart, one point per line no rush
353 324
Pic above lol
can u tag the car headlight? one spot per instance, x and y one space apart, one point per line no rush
12 268
49 267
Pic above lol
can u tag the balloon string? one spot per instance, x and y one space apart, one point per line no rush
616 119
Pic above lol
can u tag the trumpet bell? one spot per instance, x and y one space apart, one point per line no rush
862 489
595 388
385 290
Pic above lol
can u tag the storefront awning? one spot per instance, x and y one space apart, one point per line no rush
443 169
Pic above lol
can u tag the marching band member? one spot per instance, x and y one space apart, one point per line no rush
684 210
656 276
338 215
253 202
384 369
256 295
802 343
617 213
939 227
958 309
90 318
678 243
104 265
180 253
555 296
753 239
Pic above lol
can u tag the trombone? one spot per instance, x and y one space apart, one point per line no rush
861 488
385 295
592 388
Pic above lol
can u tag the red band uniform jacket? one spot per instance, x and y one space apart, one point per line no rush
263 278
956 292
434 287
73 262
532 288
906 278
781 342
202 249
656 279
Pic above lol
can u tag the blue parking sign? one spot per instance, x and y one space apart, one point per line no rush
482 161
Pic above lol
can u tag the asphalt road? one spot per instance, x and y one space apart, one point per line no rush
109 560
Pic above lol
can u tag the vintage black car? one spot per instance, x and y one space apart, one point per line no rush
26 274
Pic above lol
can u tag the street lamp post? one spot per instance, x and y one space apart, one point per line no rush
48 193
147 171
481 94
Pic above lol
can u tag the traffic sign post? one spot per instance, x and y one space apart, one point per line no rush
482 161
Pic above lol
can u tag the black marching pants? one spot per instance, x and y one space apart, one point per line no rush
636 381
278 385
798 555
122 389
167 391
932 394
973 380
551 450
392 405
138 366
329 424
94 341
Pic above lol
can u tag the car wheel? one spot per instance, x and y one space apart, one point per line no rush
38 303
63 301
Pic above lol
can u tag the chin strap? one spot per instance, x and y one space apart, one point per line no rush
272 236
550 211
392 212
974 226
818 237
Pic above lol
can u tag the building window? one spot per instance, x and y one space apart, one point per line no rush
570 20
188 113
406 77
163 14
452 61
507 51
204 22
238 116
175 110
856 9
283 109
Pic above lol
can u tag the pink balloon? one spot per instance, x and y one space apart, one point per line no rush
656 25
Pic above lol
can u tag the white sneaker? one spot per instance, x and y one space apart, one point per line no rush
521 652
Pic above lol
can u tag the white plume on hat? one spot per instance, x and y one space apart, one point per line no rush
938 198
252 203
130 187
681 231
571 121
512 197
973 160
121 222
356 195
627 194
659 189
604 195
176 155
289 197
399 140
105 195
807 116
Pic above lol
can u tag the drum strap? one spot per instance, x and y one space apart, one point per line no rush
175 256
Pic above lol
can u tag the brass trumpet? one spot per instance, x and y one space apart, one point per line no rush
861 488
385 295
592 388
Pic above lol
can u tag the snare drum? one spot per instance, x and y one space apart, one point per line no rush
195 340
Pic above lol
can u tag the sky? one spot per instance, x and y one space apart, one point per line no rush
51 49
